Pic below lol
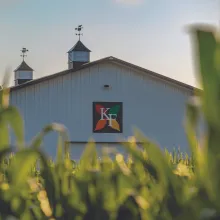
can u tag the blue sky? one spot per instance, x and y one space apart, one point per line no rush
149 33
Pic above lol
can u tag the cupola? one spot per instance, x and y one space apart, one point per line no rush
79 54
23 73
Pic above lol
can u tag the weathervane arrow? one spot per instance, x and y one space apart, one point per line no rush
24 51
79 29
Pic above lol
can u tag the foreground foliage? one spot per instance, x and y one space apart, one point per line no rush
149 184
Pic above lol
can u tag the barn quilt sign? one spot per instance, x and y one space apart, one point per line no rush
107 117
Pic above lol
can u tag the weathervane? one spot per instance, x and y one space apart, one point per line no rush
79 29
24 51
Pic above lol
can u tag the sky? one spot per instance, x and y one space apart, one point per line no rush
148 33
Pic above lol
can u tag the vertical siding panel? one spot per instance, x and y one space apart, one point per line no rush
70 118
40 108
76 105
36 108
32 115
56 116
12 101
26 116
62 98
81 99
73 106
44 97
59 101
65 99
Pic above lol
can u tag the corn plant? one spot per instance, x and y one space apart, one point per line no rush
148 184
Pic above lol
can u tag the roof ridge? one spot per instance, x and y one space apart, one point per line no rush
152 73
111 59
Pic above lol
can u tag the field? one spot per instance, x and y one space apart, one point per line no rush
150 184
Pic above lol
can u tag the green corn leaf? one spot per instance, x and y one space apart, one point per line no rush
26 215
21 166
155 155
206 52
6 79
12 116
4 90
191 122
60 149
62 132
4 135
89 157
209 68
51 183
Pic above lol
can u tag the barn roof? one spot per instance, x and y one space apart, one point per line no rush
112 60
23 67
79 46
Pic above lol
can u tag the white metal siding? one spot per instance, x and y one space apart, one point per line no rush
153 106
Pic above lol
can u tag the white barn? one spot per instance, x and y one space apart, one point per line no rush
103 99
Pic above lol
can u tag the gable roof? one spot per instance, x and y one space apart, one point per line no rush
23 67
79 46
112 60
